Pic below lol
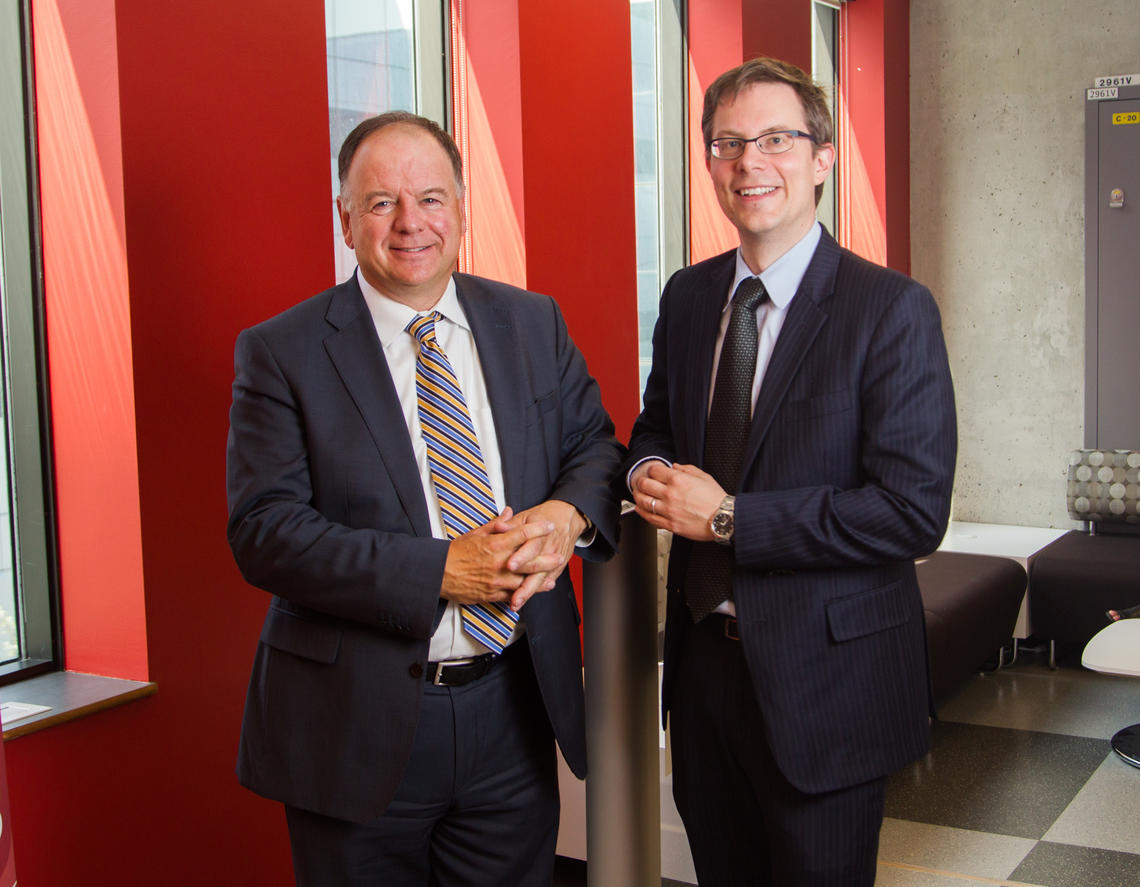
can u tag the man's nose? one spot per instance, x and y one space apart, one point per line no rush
752 155
409 216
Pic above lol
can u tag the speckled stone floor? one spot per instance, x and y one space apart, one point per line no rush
1021 787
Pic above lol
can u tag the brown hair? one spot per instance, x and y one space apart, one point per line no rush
366 127
767 70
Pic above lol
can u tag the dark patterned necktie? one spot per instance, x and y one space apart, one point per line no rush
708 582
458 473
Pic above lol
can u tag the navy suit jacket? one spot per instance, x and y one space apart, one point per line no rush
328 514
846 480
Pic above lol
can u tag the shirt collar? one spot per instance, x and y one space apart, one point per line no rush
783 277
392 317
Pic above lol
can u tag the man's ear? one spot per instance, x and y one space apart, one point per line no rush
343 213
824 159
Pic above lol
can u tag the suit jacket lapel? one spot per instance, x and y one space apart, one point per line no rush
356 353
704 325
806 316
497 343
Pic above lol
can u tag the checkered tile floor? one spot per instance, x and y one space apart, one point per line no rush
1020 788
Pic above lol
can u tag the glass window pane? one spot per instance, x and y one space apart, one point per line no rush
825 72
643 49
371 69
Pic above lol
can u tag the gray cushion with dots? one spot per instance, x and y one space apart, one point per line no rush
1104 486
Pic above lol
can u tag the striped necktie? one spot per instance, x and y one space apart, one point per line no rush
457 470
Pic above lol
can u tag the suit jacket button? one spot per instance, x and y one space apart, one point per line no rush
416 670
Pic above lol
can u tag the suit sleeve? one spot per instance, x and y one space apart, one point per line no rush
904 438
589 454
284 544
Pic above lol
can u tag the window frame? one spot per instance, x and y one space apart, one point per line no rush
25 371
671 84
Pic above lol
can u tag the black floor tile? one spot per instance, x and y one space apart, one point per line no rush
990 779
1062 865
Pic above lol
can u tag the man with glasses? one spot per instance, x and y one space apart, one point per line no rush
798 438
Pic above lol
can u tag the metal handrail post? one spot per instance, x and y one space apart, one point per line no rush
623 789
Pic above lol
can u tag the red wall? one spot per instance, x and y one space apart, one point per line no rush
224 134
577 125
875 155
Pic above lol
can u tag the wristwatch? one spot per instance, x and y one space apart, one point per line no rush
722 523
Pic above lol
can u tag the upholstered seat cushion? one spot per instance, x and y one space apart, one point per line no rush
971 604
1076 578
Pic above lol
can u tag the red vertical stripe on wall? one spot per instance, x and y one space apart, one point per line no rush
778 28
715 44
876 100
89 339
896 130
577 130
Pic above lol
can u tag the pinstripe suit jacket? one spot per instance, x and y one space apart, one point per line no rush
847 478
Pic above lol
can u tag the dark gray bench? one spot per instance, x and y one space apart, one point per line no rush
1075 579
971 603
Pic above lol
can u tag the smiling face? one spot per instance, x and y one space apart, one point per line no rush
401 212
769 198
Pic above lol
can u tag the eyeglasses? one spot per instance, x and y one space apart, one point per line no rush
769 143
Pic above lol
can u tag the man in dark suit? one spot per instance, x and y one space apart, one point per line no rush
413 457
798 438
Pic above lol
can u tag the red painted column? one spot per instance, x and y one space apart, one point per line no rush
486 97
896 130
875 130
715 42
577 130
779 29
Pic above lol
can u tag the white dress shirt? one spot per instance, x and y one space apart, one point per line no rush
401 350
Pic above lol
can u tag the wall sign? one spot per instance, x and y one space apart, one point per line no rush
1117 80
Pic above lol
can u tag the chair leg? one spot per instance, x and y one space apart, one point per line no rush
1053 655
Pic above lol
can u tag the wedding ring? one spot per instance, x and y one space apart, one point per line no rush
653 505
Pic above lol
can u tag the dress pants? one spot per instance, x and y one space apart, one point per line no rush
477 806
746 825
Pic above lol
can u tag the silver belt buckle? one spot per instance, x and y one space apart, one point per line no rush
444 663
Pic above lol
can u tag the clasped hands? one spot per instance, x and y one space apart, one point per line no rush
512 557
678 498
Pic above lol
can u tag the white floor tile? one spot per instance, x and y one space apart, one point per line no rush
1070 701
947 849
1106 812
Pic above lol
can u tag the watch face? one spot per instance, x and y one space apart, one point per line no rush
722 524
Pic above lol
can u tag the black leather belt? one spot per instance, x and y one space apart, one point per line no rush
457 672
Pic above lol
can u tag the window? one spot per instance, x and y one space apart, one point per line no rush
659 161
383 55
825 72
28 632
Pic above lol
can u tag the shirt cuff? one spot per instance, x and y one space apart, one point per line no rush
587 538
638 464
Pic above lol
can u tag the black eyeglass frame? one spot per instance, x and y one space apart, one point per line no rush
794 133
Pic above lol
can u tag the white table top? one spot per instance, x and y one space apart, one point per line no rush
998 539
1115 649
